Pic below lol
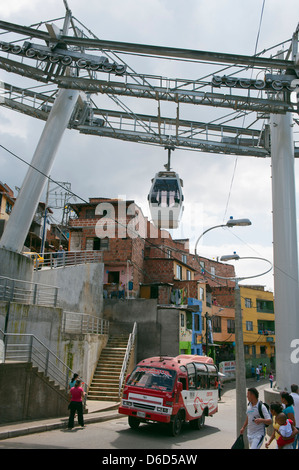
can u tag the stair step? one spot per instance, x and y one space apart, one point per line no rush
104 396
105 381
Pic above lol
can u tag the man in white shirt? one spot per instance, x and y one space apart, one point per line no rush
254 422
295 396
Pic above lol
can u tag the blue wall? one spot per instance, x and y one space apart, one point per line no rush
196 348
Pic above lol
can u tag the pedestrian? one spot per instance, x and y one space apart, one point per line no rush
257 373
60 256
265 370
255 424
219 389
295 394
252 371
73 380
276 409
271 378
121 291
287 401
76 396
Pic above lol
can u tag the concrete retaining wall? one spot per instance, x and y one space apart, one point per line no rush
79 352
15 265
27 394
80 286
157 328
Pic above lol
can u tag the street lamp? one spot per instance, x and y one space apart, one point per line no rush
230 223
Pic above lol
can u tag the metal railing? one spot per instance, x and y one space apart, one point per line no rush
82 323
130 345
65 258
20 347
26 292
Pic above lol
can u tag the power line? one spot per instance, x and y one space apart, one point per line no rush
236 159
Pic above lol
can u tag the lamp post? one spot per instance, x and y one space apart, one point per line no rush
241 406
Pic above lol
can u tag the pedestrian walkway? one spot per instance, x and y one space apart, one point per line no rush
98 411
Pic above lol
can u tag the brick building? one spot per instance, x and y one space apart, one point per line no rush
115 227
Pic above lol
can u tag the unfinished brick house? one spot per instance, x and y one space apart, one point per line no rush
139 259
114 227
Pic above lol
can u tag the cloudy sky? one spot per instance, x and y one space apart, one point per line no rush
215 186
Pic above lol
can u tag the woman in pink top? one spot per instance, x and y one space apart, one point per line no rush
76 395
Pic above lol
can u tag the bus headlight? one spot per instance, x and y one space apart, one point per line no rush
127 403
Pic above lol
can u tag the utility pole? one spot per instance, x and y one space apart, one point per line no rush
207 333
241 403
45 221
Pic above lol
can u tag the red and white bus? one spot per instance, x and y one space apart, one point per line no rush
171 390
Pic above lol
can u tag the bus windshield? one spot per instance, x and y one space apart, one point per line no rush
152 377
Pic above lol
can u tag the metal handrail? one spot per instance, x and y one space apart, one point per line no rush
82 323
131 342
27 292
28 348
65 258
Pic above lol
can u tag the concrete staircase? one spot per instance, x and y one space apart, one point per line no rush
105 382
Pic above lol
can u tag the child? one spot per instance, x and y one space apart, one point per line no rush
285 430
271 378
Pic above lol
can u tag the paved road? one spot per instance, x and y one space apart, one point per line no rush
218 433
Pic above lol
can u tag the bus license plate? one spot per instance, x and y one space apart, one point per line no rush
141 414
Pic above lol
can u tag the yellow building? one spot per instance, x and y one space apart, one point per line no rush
258 324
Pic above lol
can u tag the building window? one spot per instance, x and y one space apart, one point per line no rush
217 324
184 259
97 244
230 326
248 303
201 293
249 326
196 322
90 213
266 306
188 275
113 277
179 272
213 271
8 208
168 253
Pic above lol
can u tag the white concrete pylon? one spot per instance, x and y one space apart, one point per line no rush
29 196
285 252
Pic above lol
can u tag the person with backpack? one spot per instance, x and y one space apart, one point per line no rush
258 417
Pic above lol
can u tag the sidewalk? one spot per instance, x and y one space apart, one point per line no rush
98 411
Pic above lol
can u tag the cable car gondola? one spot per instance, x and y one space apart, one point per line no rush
166 198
